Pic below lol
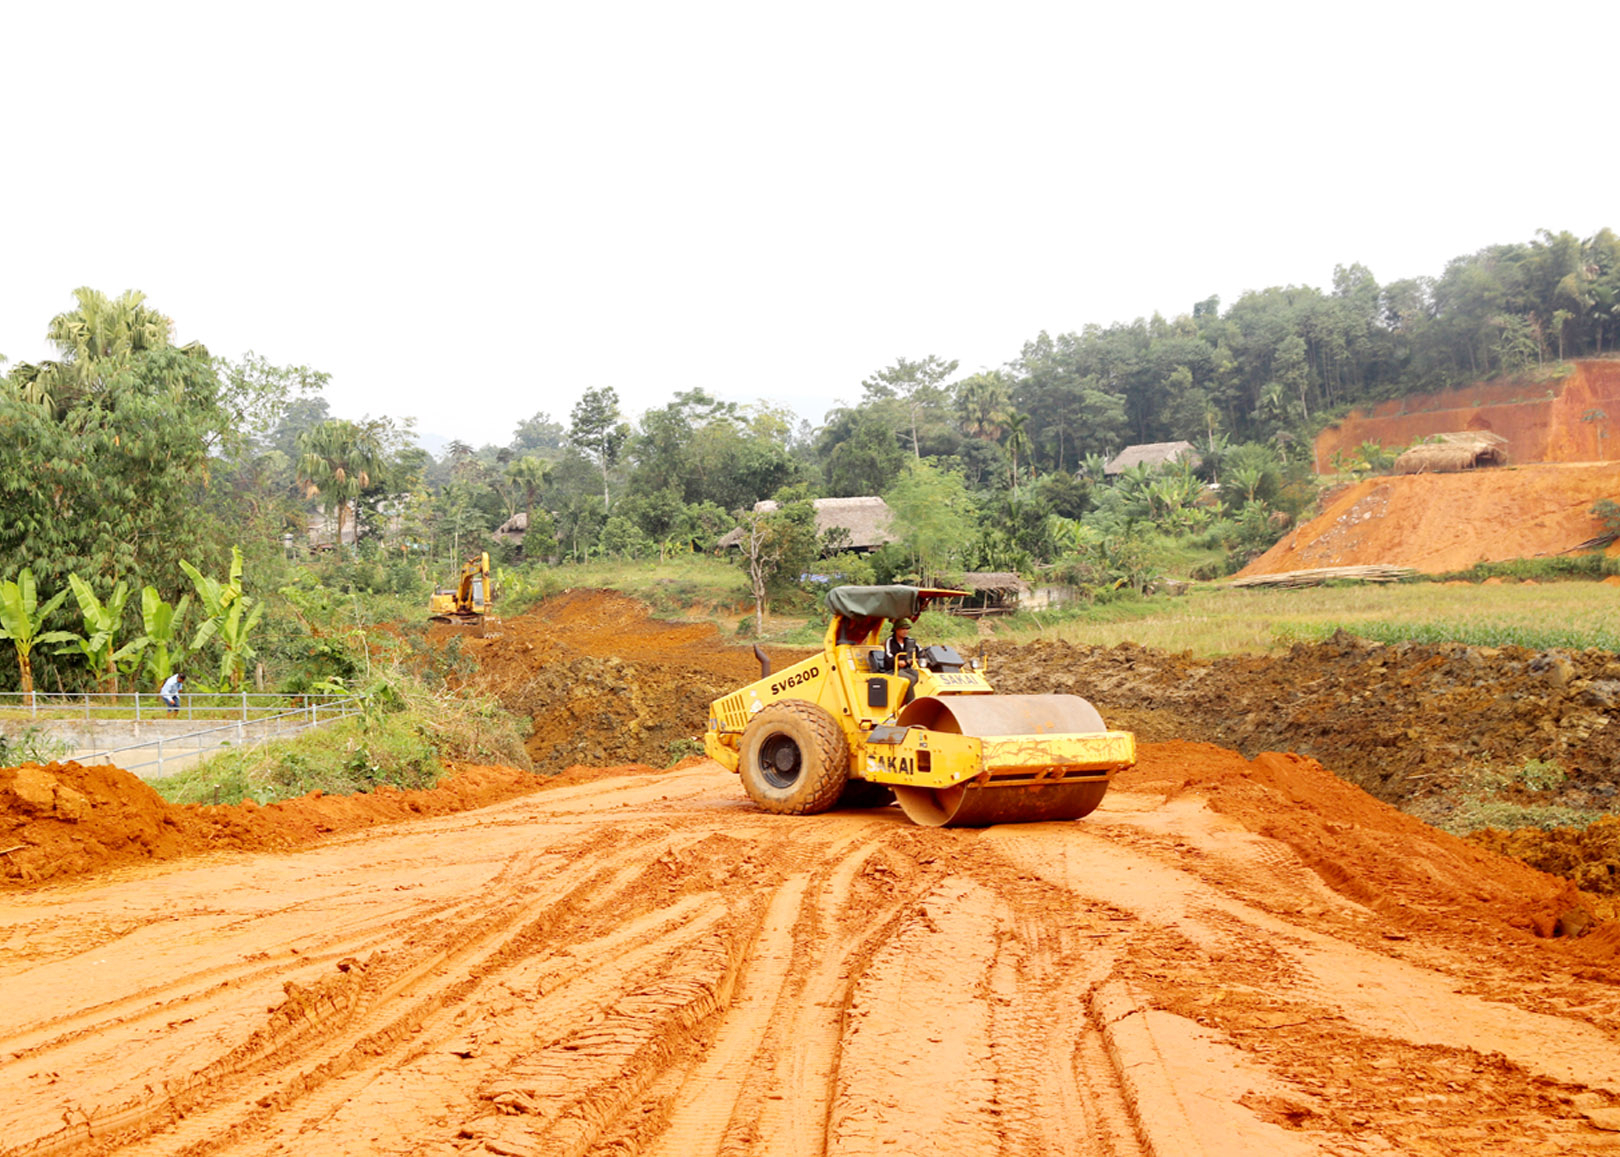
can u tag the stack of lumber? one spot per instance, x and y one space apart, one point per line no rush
1375 573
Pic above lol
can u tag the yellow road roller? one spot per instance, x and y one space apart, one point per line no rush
843 728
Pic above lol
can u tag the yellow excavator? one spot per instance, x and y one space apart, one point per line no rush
842 728
471 601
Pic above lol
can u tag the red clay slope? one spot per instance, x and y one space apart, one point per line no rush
1576 419
1445 522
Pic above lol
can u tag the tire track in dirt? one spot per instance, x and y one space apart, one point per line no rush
591 976
916 1063
321 1027
860 898
639 963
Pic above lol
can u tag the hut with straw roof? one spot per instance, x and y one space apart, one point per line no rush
1449 453
993 591
513 529
864 521
1153 455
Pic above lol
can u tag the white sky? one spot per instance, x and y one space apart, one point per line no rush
470 213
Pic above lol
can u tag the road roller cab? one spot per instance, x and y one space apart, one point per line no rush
836 729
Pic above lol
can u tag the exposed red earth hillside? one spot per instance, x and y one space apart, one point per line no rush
1438 523
1573 419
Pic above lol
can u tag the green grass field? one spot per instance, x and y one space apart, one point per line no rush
1212 620
1215 620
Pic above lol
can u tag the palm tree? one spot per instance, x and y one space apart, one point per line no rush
100 331
1017 441
530 474
982 403
1215 451
338 460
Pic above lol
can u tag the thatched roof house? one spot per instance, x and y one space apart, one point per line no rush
514 528
1449 453
1153 455
994 590
994 582
865 520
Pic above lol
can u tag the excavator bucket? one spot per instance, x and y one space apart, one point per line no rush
1019 759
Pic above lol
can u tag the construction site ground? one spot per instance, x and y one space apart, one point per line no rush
1439 523
1239 952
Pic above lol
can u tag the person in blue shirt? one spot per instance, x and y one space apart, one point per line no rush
170 693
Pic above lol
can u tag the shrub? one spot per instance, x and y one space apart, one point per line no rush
30 745
404 737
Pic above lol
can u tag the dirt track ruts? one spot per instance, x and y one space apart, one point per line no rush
639 962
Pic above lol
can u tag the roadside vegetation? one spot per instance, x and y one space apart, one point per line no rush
407 735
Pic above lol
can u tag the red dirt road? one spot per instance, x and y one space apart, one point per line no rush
1225 958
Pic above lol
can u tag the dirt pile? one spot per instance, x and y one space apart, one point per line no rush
1402 722
1439 523
1560 421
605 683
1365 850
1589 856
63 819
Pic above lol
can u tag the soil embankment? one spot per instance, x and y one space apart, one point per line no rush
605 683
1405 722
1574 419
1439 523
64 819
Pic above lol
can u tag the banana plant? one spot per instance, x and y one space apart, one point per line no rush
216 597
162 623
21 618
99 642
234 629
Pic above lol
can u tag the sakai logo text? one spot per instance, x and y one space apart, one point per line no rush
794 680
891 764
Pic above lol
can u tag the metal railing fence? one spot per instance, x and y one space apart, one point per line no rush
143 706
248 720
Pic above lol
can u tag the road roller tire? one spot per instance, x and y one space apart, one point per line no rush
794 759
863 793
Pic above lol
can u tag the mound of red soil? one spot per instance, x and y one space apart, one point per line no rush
1576 419
1363 849
63 819
1448 522
604 682
1589 856
1402 722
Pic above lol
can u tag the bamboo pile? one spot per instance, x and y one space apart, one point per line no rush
1374 573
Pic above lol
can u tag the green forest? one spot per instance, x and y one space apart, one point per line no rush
135 472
